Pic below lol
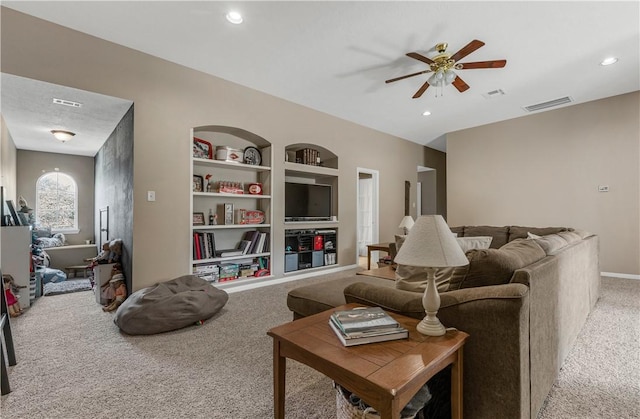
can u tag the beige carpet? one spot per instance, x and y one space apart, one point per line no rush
74 363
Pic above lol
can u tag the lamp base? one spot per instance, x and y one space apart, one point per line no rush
431 327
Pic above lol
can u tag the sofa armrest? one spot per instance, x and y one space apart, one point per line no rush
496 354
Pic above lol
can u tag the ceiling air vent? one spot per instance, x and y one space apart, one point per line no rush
493 93
67 103
549 104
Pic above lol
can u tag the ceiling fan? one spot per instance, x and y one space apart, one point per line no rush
443 64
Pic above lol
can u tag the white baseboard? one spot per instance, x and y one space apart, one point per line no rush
289 278
616 275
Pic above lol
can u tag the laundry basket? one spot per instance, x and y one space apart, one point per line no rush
347 410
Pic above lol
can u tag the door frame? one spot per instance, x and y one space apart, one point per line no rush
375 210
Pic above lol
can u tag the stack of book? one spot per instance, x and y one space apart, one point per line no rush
365 325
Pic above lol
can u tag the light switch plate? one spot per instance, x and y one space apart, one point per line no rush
151 196
603 188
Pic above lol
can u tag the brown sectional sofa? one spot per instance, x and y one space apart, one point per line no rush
520 331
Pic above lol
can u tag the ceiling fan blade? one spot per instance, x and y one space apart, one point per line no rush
468 49
407 76
460 84
422 89
484 64
419 57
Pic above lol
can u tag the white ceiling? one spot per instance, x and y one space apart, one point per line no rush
335 56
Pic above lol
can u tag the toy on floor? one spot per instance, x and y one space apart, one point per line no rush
107 292
12 302
119 290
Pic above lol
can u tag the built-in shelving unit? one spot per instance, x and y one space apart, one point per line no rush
311 244
228 233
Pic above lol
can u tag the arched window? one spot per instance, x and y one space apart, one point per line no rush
57 202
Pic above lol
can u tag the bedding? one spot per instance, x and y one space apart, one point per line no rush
56 240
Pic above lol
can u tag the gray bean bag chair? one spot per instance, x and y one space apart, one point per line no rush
169 306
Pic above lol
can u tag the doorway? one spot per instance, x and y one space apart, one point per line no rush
367 212
426 191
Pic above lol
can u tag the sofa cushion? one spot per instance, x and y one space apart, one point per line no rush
518 232
550 243
496 266
316 298
500 234
414 278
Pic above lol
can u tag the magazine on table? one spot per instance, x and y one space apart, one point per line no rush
361 338
363 319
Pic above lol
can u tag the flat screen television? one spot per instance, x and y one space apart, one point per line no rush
307 202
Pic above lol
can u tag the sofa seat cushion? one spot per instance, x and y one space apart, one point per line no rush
315 298
496 266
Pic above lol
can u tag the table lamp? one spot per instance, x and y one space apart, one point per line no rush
406 224
430 244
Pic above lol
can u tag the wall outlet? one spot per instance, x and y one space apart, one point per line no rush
603 188
151 196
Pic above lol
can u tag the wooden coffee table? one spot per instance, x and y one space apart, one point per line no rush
386 375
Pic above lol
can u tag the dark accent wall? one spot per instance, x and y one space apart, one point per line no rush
114 188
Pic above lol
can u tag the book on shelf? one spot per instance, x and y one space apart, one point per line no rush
372 336
363 319
223 253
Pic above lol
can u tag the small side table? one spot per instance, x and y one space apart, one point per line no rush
374 247
386 375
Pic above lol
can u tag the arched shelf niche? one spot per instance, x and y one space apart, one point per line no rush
328 158
221 135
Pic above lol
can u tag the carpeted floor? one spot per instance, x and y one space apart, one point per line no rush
73 362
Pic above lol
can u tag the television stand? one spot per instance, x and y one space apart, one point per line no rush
308 248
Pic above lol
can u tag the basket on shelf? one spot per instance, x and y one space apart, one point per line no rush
347 410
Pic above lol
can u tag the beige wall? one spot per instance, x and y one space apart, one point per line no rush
545 169
33 164
8 154
169 101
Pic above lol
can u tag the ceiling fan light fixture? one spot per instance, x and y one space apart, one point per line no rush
234 17
62 135
609 61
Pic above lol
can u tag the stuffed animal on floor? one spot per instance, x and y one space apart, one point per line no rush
119 290
12 302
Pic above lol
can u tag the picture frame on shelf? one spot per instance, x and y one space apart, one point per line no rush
198 183
202 149
198 219
14 214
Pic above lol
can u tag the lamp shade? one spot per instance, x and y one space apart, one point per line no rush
407 222
431 244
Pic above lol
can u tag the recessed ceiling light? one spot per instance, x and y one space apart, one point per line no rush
426 113
609 61
234 17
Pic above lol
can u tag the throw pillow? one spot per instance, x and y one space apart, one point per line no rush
414 278
468 243
517 232
500 234
496 266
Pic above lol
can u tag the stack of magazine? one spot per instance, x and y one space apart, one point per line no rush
365 325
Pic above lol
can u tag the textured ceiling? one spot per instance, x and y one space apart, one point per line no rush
335 56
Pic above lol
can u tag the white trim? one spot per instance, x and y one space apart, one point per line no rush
617 275
375 231
286 279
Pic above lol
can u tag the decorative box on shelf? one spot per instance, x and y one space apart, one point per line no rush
245 216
